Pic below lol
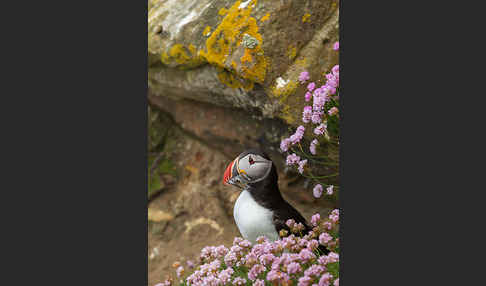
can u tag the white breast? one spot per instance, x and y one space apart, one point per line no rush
252 219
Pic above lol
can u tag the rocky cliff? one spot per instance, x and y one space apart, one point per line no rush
222 78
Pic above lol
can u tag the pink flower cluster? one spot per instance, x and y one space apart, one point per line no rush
323 99
285 261
293 139
323 94
315 112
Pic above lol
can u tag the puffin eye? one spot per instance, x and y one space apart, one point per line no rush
250 160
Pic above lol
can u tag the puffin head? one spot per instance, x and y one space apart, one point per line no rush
249 168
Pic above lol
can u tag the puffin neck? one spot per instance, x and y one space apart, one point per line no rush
266 192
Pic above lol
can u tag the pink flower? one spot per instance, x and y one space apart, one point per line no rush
304 281
255 271
290 223
332 90
237 240
285 144
312 244
292 159
293 268
320 98
324 238
317 191
332 257
319 130
220 251
327 225
301 166
225 275
259 282
180 271
313 145
334 216
306 114
230 258
311 86
239 281
306 255
297 136
308 96
251 258
236 249
267 259
333 111
316 117
315 219
260 239
273 275
336 46
245 244
299 227
336 282
325 279
332 80
303 77
314 270
330 190
335 71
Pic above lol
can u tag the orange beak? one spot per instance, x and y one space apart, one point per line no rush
228 173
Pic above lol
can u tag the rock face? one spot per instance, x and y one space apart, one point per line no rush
245 54
223 78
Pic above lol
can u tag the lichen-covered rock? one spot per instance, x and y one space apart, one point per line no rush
230 52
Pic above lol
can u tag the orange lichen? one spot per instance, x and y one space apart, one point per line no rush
305 18
265 18
226 39
246 57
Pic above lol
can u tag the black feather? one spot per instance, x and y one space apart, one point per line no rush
267 194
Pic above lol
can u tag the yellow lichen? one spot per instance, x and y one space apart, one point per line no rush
305 18
287 115
301 62
285 91
180 55
227 37
264 18
229 79
207 31
234 65
292 52
222 11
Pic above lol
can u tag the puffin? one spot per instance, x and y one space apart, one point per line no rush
260 209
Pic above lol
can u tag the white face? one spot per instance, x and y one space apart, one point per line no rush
254 168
